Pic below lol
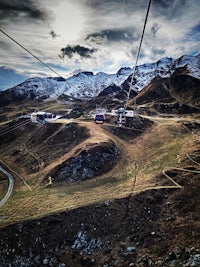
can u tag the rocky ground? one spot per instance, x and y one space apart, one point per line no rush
88 164
153 228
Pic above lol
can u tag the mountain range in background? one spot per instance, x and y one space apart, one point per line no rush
86 85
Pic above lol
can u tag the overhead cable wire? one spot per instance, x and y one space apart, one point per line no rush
125 106
28 51
138 52
9 127
12 129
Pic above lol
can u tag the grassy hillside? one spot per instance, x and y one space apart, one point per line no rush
143 156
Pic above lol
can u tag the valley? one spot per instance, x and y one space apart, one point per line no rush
155 166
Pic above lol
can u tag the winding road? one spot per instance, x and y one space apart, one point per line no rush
10 187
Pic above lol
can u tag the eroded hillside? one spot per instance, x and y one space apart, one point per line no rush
123 196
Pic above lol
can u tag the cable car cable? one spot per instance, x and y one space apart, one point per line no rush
8 131
28 51
138 53
17 126
10 128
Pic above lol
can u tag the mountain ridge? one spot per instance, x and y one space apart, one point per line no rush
86 85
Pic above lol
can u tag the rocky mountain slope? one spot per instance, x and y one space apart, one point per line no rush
88 85
178 89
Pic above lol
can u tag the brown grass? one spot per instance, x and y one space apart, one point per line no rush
154 150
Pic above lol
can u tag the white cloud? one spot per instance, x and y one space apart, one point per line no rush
69 21
114 27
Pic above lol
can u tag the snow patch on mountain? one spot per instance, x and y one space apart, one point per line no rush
87 84
192 63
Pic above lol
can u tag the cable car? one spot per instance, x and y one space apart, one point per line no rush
121 114
99 118
42 117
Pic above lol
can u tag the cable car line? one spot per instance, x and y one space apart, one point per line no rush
28 51
10 127
138 53
16 127
122 113
10 130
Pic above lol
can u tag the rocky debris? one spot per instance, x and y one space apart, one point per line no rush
185 257
88 164
101 235
86 244
194 261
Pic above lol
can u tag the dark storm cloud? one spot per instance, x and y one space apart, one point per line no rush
13 10
100 3
113 8
113 36
82 51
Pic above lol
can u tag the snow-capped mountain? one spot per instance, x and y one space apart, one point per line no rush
82 85
87 84
164 68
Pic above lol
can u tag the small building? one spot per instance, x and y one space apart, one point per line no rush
42 117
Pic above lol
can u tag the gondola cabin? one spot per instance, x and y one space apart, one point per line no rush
99 118
42 117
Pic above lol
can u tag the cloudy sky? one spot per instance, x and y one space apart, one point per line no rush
93 35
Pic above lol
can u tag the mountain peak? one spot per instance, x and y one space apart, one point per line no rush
123 70
87 73
87 85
